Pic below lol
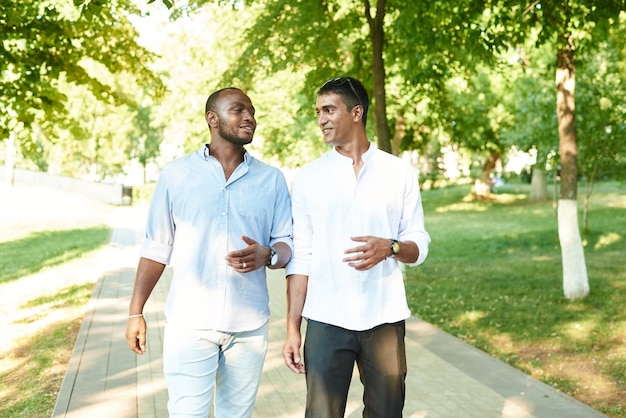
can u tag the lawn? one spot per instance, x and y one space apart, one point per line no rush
493 278
47 273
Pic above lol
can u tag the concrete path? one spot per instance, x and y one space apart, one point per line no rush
447 377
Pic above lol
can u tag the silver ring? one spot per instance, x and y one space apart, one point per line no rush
245 265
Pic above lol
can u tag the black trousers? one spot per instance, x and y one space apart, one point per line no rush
329 355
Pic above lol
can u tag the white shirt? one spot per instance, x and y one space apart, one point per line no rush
330 205
196 217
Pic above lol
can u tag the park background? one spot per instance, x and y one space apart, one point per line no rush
507 109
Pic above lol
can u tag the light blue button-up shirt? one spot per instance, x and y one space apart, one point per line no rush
196 217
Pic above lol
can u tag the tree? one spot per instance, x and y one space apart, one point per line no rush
145 139
534 129
479 111
45 44
602 112
568 24
377 43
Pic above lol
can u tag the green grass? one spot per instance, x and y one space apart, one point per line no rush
493 277
33 370
38 368
44 249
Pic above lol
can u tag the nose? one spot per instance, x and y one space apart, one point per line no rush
249 116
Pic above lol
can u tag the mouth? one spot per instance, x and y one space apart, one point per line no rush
326 131
247 128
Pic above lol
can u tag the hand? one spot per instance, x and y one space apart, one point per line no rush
373 251
136 334
291 353
249 258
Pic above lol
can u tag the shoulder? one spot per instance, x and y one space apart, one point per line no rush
383 157
315 167
264 172
258 165
181 160
180 166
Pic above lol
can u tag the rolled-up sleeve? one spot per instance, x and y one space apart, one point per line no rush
412 227
282 222
160 227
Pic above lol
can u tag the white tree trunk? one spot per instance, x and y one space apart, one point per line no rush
575 280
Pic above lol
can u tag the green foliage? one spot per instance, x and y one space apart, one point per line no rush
84 98
601 116
319 41
478 111
533 100
46 45
44 249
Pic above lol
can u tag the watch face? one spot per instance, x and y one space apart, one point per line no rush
395 247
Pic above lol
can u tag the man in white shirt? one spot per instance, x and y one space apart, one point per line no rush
223 216
357 213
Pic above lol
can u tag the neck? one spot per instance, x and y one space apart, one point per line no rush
229 157
355 152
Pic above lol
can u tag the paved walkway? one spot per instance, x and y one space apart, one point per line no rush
447 377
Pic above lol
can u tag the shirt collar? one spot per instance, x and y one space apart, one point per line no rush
366 155
206 153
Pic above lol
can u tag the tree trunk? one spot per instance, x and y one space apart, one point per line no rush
590 181
575 280
398 133
484 182
378 67
538 185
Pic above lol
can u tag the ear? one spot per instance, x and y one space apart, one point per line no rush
357 113
211 118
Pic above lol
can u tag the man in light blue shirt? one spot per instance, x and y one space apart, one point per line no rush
357 213
220 217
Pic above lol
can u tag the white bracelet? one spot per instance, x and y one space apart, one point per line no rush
135 316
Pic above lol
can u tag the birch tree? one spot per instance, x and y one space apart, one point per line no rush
569 24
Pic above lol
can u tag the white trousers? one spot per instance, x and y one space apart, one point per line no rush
197 362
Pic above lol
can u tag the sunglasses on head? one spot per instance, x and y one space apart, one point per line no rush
342 80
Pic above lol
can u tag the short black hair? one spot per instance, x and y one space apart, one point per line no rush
351 91
211 102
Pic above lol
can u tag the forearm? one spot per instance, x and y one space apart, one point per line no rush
409 252
284 255
296 296
148 274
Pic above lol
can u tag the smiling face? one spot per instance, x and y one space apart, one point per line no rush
233 116
336 121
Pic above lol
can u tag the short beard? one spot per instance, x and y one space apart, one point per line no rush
234 139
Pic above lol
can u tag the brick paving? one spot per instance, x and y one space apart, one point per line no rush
447 377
